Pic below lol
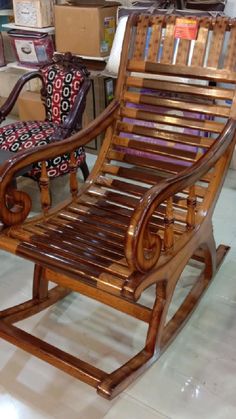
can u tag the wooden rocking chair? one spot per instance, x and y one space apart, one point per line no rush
145 212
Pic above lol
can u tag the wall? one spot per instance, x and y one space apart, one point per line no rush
231 8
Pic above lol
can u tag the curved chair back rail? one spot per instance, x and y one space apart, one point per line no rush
145 212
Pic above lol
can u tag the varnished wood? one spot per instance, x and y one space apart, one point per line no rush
216 43
219 75
149 99
163 118
136 310
170 86
73 178
145 211
44 189
191 202
51 354
230 59
201 43
155 39
168 44
169 221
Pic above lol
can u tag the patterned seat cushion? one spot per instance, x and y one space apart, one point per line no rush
24 135
62 87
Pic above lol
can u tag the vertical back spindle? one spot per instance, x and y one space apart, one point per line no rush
191 204
44 189
169 225
73 177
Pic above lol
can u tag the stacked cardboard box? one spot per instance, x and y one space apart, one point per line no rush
86 30
33 13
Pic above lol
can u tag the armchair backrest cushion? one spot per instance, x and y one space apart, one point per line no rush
62 87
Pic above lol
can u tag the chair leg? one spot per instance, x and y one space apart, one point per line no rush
85 170
40 285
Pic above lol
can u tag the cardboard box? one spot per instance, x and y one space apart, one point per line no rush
86 30
31 107
33 13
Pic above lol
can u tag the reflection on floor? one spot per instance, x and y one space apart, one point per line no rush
195 378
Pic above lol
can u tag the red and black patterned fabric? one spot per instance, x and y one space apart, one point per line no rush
61 90
24 135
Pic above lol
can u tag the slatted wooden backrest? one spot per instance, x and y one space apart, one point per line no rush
176 96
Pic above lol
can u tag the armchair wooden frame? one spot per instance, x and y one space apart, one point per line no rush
145 211
73 121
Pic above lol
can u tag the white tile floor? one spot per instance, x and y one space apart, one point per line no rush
195 378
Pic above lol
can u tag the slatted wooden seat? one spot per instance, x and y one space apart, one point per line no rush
145 211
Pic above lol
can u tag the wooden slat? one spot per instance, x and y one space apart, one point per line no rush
122 187
140 161
216 43
180 138
91 229
93 263
140 41
88 254
117 199
183 51
155 149
201 43
138 191
111 218
222 75
106 206
133 174
80 239
197 124
230 56
155 39
207 92
100 237
93 276
203 108
104 224
169 40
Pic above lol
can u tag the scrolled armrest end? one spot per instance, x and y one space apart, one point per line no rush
14 207
143 248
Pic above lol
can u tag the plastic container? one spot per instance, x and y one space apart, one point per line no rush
32 48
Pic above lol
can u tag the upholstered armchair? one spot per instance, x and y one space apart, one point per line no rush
65 84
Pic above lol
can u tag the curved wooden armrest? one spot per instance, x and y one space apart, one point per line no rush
137 233
25 158
11 100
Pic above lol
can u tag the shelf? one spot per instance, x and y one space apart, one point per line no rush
6 12
50 30
19 66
